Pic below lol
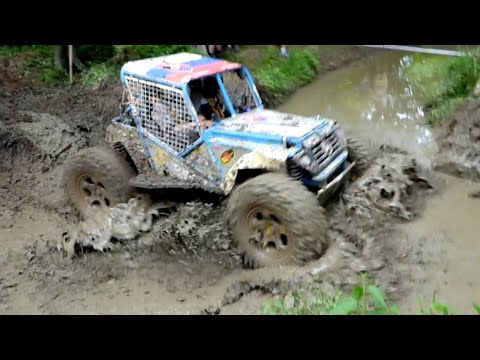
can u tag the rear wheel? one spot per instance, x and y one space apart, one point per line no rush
98 177
274 220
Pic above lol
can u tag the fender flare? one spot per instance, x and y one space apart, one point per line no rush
249 161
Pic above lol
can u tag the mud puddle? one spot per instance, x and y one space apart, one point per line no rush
450 221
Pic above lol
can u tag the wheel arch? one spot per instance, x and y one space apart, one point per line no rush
248 166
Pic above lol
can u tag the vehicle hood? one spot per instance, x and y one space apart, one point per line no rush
267 132
271 125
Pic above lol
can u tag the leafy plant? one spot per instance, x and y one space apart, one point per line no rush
281 76
365 299
133 52
477 308
443 81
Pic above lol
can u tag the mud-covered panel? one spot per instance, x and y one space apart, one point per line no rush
272 123
176 168
240 147
128 137
202 160
249 161
227 155
160 156
165 161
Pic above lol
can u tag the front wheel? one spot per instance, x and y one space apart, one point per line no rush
274 220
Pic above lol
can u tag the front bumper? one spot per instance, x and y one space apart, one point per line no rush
333 186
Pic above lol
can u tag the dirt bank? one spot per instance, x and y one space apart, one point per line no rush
459 139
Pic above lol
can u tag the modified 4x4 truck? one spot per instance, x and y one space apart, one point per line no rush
274 170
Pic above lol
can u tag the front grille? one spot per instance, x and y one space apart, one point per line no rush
326 150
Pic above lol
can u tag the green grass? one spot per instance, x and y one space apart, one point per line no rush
365 299
102 62
282 76
274 74
444 81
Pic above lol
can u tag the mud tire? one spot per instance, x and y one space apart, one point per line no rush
108 168
358 152
295 206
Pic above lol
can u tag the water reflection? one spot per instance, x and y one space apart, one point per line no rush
373 98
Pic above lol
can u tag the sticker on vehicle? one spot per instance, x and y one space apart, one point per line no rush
227 156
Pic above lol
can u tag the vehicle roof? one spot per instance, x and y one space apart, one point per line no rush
176 69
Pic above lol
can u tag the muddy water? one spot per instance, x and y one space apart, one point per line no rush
452 274
372 99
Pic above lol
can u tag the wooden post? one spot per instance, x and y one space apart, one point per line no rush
70 62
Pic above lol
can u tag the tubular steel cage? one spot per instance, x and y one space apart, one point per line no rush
162 112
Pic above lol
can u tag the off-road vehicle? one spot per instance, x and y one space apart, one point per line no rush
275 170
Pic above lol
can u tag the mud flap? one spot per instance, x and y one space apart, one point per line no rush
325 193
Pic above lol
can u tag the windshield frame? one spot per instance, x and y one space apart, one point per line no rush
244 75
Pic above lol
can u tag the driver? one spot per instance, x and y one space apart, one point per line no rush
212 96
206 101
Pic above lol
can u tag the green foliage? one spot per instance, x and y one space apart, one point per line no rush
11 50
133 52
102 61
282 76
439 110
435 308
41 57
97 73
365 299
275 74
443 81
477 308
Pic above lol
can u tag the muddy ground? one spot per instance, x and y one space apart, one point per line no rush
185 264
